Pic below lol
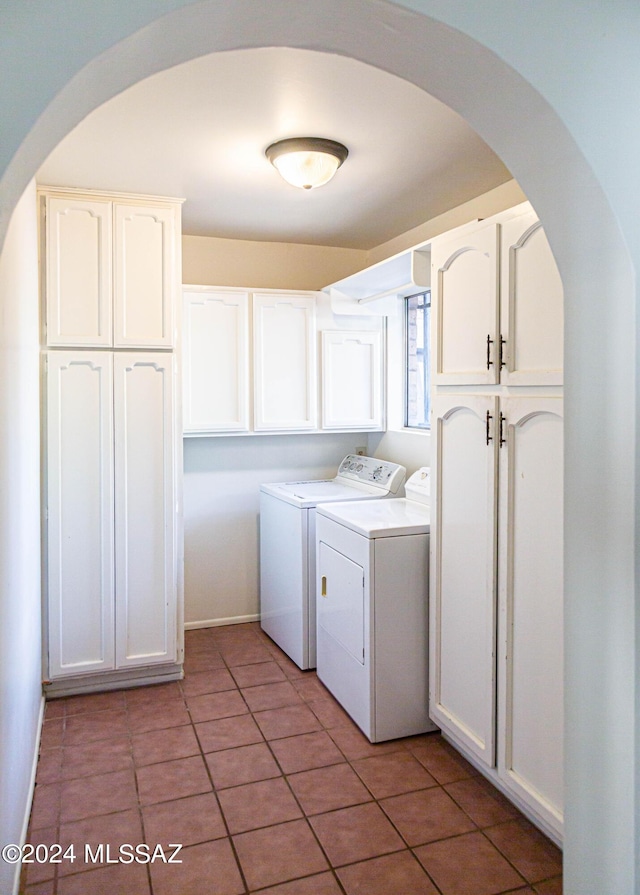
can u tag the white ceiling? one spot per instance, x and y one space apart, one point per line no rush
199 131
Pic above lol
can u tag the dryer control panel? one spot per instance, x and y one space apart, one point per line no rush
372 471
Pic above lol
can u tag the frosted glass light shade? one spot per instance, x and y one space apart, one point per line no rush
307 162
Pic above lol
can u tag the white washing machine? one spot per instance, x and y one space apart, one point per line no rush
287 546
373 587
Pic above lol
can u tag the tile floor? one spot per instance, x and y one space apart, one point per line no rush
252 766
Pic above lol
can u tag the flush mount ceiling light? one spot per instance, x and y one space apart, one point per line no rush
306 162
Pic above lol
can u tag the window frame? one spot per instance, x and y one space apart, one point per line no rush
425 294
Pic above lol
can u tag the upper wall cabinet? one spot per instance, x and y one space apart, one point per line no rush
216 361
351 380
111 270
285 383
497 304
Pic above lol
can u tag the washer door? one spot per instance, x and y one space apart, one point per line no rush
341 600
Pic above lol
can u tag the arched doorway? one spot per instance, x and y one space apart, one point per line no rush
524 130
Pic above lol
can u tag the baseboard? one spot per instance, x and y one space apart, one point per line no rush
31 791
218 622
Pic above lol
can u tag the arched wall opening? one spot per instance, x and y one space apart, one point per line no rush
522 128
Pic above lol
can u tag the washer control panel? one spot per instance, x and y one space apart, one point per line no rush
371 471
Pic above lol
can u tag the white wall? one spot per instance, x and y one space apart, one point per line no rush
221 506
20 625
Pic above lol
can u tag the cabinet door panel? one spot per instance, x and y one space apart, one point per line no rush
80 513
351 380
465 307
340 603
145 509
531 305
145 276
285 362
462 600
78 272
531 607
216 361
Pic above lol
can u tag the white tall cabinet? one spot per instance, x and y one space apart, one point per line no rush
496 618
111 279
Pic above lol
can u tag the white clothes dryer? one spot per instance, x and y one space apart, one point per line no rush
287 546
373 586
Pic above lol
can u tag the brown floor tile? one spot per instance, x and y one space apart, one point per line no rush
171 713
100 794
396 873
442 762
244 764
209 868
244 655
118 879
54 709
216 705
426 815
311 688
325 789
114 830
52 733
431 795
254 675
87 760
153 695
172 780
255 805
203 662
306 751
94 702
49 766
228 733
468 865
271 696
38 873
45 809
45 888
278 854
549 887
355 834
392 774
208 682
354 744
328 712
91 727
287 721
320 884
529 851
188 821
164 745
484 804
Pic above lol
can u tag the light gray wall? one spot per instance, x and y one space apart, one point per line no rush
221 507
20 657
552 87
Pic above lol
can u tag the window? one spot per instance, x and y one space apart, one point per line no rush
417 337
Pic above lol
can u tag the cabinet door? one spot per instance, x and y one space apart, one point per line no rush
462 599
351 380
145 276
531 305
78 272
79 490
530 663
285 362
464 307
145 509
216 361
